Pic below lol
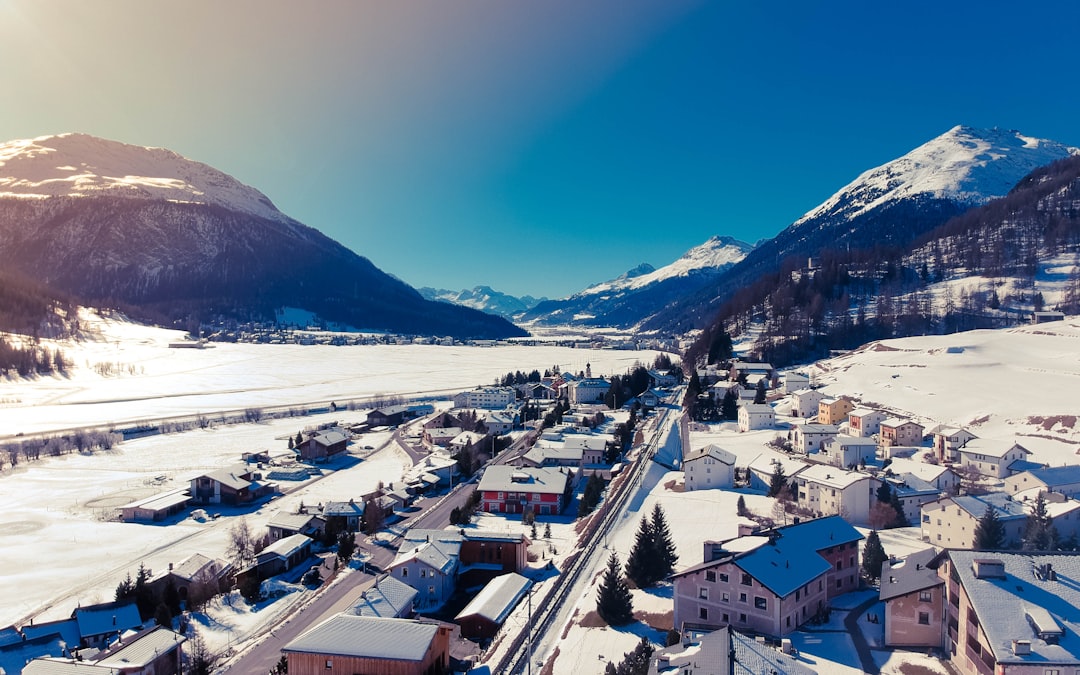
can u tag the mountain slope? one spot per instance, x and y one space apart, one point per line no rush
113 223
886 206
643 291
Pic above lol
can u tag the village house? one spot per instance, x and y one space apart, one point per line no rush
285 524
756 416
499 423
552 455
948 441
1063 480
155 509
722 652
829 490
753 372
1046 316
1011 613
237 485
804 403
709 467
387 416
281 556
343 516
834 410
848 451
810 438
510 489
914 597
488 610
762 468
912 492
900 432
153 651
997 459
663 379
950 522
439 437
794 382
387 598
346 644
488 398
864 422
195 578
323 445
942 477
769 583
99 625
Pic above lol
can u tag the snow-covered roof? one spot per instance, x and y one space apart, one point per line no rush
863 412
142 649
329 438
1009 608
1057 475
813 428
1005 506
894 422
229 478
990 447
160 502
542 480
107 618
497 599
367 637
349 508
714 451
847 441
388 598
908 575
832 476
286 546
429 554
924 470
790 560
751 658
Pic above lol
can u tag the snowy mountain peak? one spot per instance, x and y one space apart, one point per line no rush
80 165
965 164
716 254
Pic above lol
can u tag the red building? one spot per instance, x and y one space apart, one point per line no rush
509 489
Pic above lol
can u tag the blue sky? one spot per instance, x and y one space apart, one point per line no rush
536 146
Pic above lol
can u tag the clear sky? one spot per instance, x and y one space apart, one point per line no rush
537 146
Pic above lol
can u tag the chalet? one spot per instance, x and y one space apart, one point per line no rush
282 555
323 445
996 459
810 438
100 624
486 612
948 441
849 451
864 422
752 372
1011 613
285 524
387 417
897 432
756 416
551 455
509 489
1061 479
229 486
439 437
344 516
662 379
154 651
722 652
804 402
834 410
157 508
346 644
537 390
195 578
770 583
709 467
829 490
388 598
914 597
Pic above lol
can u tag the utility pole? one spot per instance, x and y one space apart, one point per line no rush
528 636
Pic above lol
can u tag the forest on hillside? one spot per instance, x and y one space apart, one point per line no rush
32 312
850 297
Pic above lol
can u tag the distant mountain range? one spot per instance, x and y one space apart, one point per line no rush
485 299
173 239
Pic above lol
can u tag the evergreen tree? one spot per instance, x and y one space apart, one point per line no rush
760 393
663 546
873 556
729 407
614 603
346 546
162 615
547 530
901 518
299 440
639 564
989 532
740 507
884 493
778 481
1039 531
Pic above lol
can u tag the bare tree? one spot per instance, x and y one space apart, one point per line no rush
241 544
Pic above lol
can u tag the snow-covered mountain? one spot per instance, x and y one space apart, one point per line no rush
889 205
485 299
176 239
641 292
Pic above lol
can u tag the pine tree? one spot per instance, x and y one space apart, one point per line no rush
873 556
614 603
989 532
740 507
901 518
346 546
639 564
664 547
1039 531
778 481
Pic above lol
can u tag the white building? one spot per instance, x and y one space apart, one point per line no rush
948 441
810 438
489 398
804 403
828 490
756 416
587 390
844 451
864 422
794 382
997 459
709 467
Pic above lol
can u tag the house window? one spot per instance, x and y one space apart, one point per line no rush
760 602
404 571
703 613
724 597
703 593
723 577
710 575
742 597
839 565
431 590
925 596
742 618
329 664
924 618
746 580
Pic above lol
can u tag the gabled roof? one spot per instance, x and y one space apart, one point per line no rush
1005 507
294 522
346 509
990 447
911 574
229 478
329 438
497 599
388 598
194 565
141 649
106 618
895 422
791 559
813 428
863 412
832 476
502 478
1057 475
714 649
714 451
286 546
367 637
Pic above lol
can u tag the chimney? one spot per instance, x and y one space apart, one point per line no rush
1021 647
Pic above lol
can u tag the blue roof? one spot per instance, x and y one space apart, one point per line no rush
791 560
1006 507
1057 475
107 618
